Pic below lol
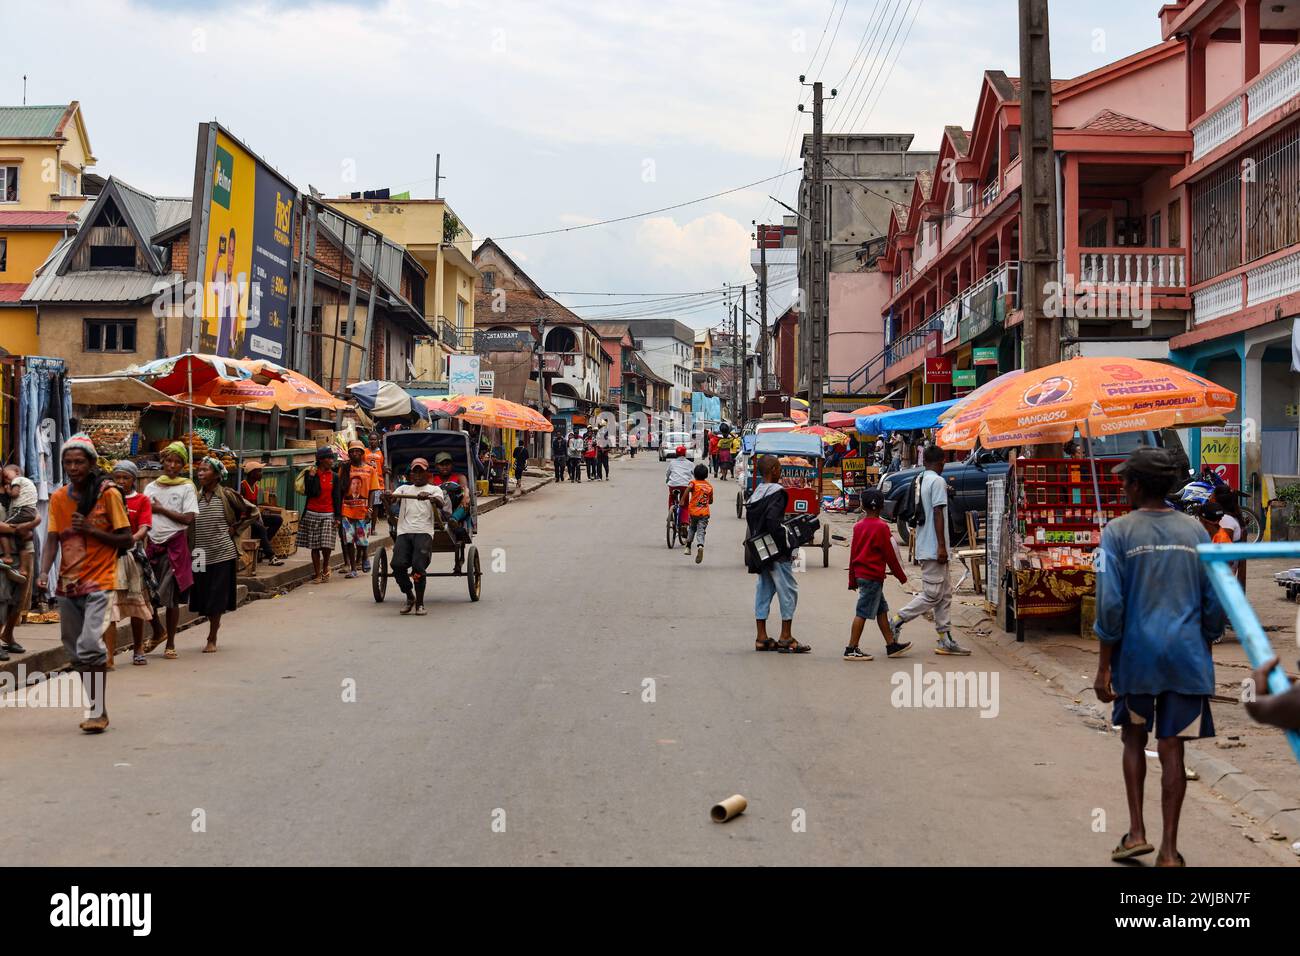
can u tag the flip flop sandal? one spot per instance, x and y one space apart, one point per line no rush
1181 862
139 659
794 647
767 644
1122 852
171 654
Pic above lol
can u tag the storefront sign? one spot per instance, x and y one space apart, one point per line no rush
963 378
986 356
938 371
1221 450
983 310
487 382
552 363
853 475
462 374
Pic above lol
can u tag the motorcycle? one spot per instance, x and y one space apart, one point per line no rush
1190 498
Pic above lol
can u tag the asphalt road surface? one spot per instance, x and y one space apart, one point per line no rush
516 730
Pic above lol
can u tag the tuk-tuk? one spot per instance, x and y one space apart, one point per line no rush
801 476
400 449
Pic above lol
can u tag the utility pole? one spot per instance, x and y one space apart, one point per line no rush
744 354
735 393
438 177
1038 204
763 382
817 305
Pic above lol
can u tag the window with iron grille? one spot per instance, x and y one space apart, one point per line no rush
4 253
1270 176
109 335
1216 223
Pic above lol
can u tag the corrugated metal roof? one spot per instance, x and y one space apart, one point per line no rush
23 122
22 218
98 285
171 212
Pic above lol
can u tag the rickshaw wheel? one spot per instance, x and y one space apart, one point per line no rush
740 504
379 575
826 546
473 573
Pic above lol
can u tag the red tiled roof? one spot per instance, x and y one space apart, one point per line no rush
1015 84
1114 122
12 291
23 217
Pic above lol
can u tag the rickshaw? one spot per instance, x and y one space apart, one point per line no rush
400 449
803 483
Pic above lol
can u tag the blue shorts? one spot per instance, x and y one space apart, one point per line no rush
1185 716
871 599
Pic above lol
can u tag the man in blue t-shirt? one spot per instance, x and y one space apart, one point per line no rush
1157 616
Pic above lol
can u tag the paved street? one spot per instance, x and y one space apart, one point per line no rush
530 702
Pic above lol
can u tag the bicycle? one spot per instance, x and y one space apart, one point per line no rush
677 528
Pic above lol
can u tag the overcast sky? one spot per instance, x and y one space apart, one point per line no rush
547 114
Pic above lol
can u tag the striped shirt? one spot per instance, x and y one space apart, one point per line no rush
211 533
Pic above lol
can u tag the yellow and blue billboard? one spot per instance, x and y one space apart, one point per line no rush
242 233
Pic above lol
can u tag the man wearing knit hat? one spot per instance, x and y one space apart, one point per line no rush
88 526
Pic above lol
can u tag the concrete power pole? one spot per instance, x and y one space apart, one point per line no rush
763 382
744 353
1038 203
817 293
735 381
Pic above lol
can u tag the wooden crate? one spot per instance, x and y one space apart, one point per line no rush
285 542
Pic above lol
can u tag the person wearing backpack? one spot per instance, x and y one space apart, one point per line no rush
929 516
768 554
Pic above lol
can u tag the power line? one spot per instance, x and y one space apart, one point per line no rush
889 51
864 82
640 215
885 84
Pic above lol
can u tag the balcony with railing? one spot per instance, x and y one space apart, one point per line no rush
1275 88
1163 269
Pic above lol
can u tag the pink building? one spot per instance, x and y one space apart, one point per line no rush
952 255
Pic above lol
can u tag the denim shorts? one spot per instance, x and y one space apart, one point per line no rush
871 599
1171 714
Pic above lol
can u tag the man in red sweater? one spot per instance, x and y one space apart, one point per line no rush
872 552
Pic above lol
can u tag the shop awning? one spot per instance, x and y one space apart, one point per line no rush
111 390
905 419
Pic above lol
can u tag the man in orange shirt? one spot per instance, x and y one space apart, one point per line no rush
88 526
375 459
699 495
359 481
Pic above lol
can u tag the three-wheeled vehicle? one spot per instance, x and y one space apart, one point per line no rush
400 449
802 480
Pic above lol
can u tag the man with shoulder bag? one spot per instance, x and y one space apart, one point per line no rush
768 554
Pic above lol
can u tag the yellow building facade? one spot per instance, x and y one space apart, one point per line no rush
436 237
44 154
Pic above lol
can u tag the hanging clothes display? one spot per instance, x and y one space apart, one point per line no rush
44 393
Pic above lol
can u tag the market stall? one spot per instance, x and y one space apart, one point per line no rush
1051 511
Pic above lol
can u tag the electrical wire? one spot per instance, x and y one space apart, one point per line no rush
885 84
871 35
853 122
866 80
641 215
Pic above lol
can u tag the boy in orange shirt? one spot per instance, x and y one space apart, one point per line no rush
699 495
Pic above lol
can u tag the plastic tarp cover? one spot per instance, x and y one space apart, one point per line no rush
787 443
116 391
905 419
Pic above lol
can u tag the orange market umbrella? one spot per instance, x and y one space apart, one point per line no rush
496 413
291 394
829 436
1099 396
850 419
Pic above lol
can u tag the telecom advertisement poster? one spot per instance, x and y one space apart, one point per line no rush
244 235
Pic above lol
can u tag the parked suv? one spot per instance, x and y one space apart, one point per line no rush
968 479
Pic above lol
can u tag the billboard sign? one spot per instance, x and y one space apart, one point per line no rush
242 239
1221 450
462 374
487 383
